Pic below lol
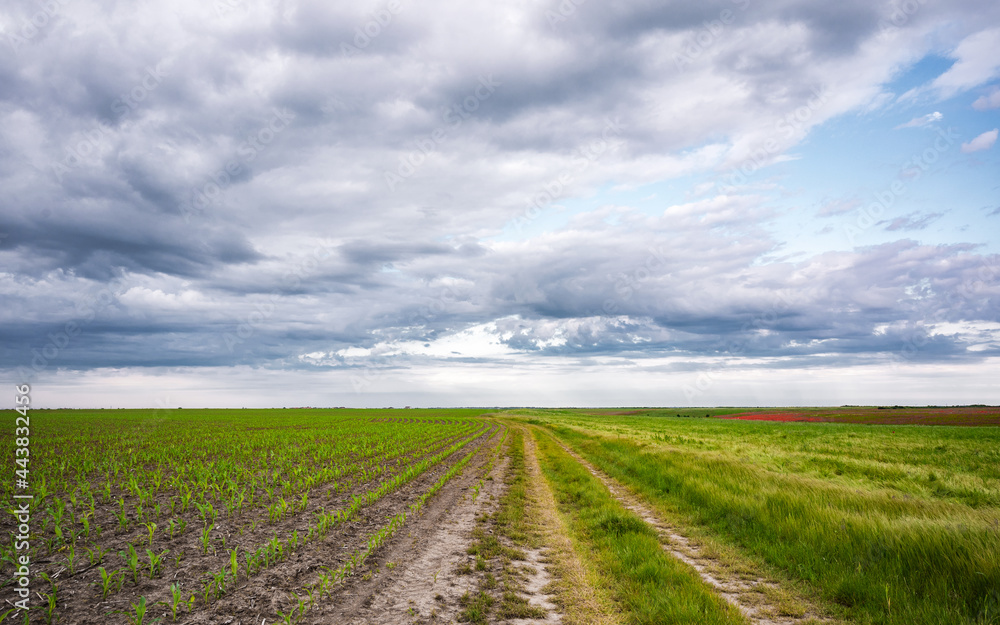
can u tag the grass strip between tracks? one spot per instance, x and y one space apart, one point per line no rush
650 586
492 556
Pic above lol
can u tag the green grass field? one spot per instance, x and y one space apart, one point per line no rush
652 586
886 525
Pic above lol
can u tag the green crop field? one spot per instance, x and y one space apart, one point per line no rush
182 505
284 515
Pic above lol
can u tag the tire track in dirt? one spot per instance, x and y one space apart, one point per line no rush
580 595
535 580
529 574
422 585
749 596
427 589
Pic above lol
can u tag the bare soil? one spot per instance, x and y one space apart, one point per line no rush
536 580
414 576
423 585
420 576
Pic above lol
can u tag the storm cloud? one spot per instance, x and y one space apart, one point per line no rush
378 190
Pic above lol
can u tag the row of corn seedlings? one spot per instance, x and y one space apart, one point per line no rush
326 583
216 583
152 486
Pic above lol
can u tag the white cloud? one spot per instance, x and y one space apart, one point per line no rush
989 101
978 62
143 299
984 141
923 120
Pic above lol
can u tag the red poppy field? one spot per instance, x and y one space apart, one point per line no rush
959 415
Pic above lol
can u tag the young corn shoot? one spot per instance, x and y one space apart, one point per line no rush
71 558
132 561
156 562
110 581
205 538
96 554
206 590
175 601
50 607
140 612
219 579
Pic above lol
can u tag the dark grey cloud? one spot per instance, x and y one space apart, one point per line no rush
635 292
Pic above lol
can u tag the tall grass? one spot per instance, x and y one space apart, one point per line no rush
864 525
651 586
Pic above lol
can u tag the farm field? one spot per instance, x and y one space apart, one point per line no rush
202 513
867 524
861 415
526 516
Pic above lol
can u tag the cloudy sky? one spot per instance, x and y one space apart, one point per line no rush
526 202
